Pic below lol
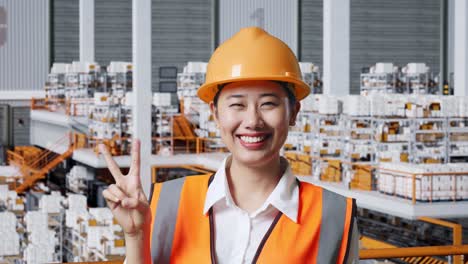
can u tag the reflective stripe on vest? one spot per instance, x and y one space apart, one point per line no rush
331 227
165 220
321 236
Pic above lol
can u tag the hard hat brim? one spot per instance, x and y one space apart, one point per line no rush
207 91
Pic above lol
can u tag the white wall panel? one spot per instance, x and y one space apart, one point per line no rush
24 56
397 31
278 17
46 134
311 32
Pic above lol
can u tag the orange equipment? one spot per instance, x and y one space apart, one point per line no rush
35 175
35 163
252 54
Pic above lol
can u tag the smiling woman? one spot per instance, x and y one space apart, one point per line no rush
253 209
253 118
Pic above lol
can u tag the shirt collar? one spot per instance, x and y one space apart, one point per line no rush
285 196
217 189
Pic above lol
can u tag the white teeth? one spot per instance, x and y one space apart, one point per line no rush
252 139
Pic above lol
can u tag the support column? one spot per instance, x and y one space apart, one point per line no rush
444 42
336 21
461 48
87 30
142 92
450 38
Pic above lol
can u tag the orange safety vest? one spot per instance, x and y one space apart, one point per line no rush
181 233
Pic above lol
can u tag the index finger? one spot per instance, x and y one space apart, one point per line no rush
111 164
135 166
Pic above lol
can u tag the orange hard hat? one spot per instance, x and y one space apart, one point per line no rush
252 54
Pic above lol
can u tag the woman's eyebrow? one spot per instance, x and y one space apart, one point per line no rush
261 95
269 94
235 96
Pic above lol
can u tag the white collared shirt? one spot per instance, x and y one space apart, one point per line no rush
238 233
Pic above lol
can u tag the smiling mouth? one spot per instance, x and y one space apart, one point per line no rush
253 140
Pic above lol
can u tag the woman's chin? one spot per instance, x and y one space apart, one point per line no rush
253 158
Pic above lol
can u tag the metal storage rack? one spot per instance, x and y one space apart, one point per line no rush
358 131
416 83
429 140
389 136
299 141
327 131
300 137
55 86
56 221
314 80
359 151
163 130
107 117
113 119
120 82
379 83
73 246
457 134
328 144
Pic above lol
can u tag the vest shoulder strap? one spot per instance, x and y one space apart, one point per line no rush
164 202
336 225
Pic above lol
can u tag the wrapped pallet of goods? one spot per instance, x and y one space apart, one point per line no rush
76 179
51 203
8 223
433 182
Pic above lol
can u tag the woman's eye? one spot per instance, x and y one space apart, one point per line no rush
236 105
269 104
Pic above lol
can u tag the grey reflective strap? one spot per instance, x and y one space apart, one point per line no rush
331 226
165 222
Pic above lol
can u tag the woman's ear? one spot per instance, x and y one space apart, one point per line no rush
214 113
294 112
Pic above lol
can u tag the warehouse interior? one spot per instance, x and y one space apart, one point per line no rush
386 122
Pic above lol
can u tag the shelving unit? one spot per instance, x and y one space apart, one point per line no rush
457 134
429 140
378 83
385 78
392 139
359 152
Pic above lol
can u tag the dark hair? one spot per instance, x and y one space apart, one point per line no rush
288 88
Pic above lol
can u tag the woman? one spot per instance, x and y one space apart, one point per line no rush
253 209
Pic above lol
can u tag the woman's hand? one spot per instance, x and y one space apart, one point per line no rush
126 198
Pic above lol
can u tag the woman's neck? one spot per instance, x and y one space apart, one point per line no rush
251 186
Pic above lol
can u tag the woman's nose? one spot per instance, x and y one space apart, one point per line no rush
253 119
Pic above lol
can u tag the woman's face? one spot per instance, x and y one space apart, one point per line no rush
253 118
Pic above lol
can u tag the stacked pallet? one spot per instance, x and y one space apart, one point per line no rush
433 182
8 233
331 171
51 203
42 240
10 199
92 234
76 179
362 178
301 164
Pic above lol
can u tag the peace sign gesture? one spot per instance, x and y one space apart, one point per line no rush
126 198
